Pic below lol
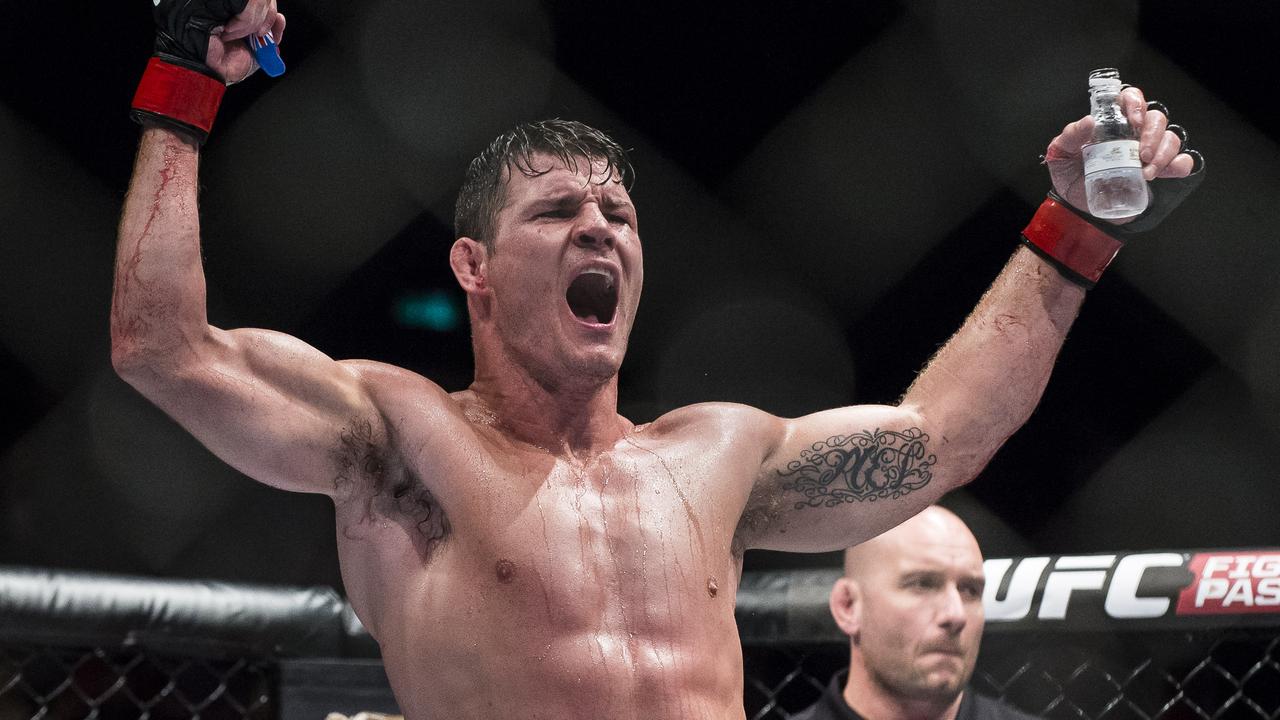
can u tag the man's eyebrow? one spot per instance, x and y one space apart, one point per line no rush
556 196
569 195
613 202
978 580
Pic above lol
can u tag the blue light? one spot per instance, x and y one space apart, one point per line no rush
436 310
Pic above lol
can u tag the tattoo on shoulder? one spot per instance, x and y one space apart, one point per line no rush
870 465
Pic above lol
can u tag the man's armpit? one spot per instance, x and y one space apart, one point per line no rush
369 473
359 460
870 465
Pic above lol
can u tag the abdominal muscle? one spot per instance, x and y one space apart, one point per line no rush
506 671
596 593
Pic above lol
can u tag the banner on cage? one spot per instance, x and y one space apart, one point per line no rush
1156 589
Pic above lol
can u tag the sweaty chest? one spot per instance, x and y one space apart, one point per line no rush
603 523
620 543
630 542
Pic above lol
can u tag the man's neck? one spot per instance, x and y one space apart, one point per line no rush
576 422
871 701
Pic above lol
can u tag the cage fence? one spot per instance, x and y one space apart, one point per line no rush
1212 674
125 683
76 646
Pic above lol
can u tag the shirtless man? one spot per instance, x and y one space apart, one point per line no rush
518 549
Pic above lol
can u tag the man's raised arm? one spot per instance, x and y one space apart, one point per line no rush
264 402
838 477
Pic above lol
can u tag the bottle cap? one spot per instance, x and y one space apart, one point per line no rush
1104 78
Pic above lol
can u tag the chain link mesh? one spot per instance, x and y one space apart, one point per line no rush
1206 675
46 683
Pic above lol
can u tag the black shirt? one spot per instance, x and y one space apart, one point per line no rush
832 706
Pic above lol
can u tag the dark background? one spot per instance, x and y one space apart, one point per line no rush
824 192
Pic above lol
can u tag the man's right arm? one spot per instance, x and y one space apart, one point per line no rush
266 403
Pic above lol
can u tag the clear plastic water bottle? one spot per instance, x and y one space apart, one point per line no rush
1113 182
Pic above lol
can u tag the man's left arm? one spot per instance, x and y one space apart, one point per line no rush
835 478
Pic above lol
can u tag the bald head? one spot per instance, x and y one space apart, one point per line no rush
911 603
934 526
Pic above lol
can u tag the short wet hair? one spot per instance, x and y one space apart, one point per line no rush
484 189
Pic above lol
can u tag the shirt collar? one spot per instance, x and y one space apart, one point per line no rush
833 698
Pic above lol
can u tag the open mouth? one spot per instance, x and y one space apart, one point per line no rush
593 297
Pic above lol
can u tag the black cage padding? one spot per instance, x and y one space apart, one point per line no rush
787 607
187 616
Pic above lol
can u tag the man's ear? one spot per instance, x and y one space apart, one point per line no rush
469 259
846 606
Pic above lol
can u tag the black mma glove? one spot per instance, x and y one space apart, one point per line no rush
1081 246
1166 194
177 89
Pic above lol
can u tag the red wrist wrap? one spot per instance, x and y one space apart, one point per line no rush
182 94
1077 248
